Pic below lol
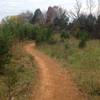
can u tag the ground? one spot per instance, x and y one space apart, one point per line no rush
83 63
55 83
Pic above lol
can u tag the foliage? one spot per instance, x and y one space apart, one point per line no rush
90 25
42 34
51 13
4 51
97 30
17 27
85 23
64 35
12 25
57 16
61 21
83 36
38 17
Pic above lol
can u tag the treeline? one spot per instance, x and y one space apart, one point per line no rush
58 19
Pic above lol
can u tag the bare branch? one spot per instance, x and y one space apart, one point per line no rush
78 7
77 12
90 5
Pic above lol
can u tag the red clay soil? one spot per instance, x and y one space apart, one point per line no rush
55 83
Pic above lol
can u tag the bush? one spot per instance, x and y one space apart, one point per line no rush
66 45
64 35
83 36
4 53
42 34
82 43
28 31
17 27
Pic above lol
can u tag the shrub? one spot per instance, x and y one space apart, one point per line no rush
66 45
82 43
18 28
83 36
42 34
4 53
64 35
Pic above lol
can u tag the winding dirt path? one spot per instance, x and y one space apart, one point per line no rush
55 83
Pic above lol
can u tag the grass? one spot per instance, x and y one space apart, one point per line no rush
83 63
23 65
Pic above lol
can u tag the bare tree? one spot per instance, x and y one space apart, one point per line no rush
90 5
78 7
98 8
76 14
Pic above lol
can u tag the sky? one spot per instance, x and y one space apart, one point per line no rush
14 7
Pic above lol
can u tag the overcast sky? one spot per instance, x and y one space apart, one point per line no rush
13 7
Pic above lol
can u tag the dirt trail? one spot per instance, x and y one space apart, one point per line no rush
55 83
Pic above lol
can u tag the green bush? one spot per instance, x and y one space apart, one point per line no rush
18 28
83 36
82 43
4 53
66 45
64 35
42 34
